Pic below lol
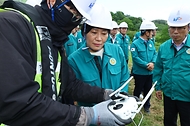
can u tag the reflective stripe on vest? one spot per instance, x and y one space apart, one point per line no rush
38 76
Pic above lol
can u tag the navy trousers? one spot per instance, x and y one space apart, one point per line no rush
143 83
171 110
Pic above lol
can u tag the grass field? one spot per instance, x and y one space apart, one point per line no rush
155 118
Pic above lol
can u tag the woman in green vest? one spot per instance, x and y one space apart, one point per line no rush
31 40
99 63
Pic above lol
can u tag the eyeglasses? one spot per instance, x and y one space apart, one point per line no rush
75 17
177 28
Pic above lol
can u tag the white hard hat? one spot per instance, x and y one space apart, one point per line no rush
154 25
179 17
114 25
123 25
147 25
100 17
84 6
33 2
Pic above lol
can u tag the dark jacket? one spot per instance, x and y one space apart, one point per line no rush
20 102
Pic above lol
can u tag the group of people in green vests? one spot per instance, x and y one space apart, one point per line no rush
40 78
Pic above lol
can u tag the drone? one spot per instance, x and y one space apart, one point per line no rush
126 107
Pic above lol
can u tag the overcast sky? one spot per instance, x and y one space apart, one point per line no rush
147 9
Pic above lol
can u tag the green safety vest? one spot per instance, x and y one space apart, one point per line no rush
38 76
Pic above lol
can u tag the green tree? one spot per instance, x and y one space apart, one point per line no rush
119 15
162 34
136 23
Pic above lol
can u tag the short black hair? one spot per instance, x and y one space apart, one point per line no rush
86 28
144 31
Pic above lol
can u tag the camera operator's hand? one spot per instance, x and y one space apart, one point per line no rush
101 116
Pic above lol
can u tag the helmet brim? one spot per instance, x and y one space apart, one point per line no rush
177 25
84 14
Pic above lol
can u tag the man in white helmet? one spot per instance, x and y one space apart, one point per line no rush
137 34
125 40
113 38
143 57
172 69
36 80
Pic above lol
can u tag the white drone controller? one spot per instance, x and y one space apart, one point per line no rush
127 107
124 109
